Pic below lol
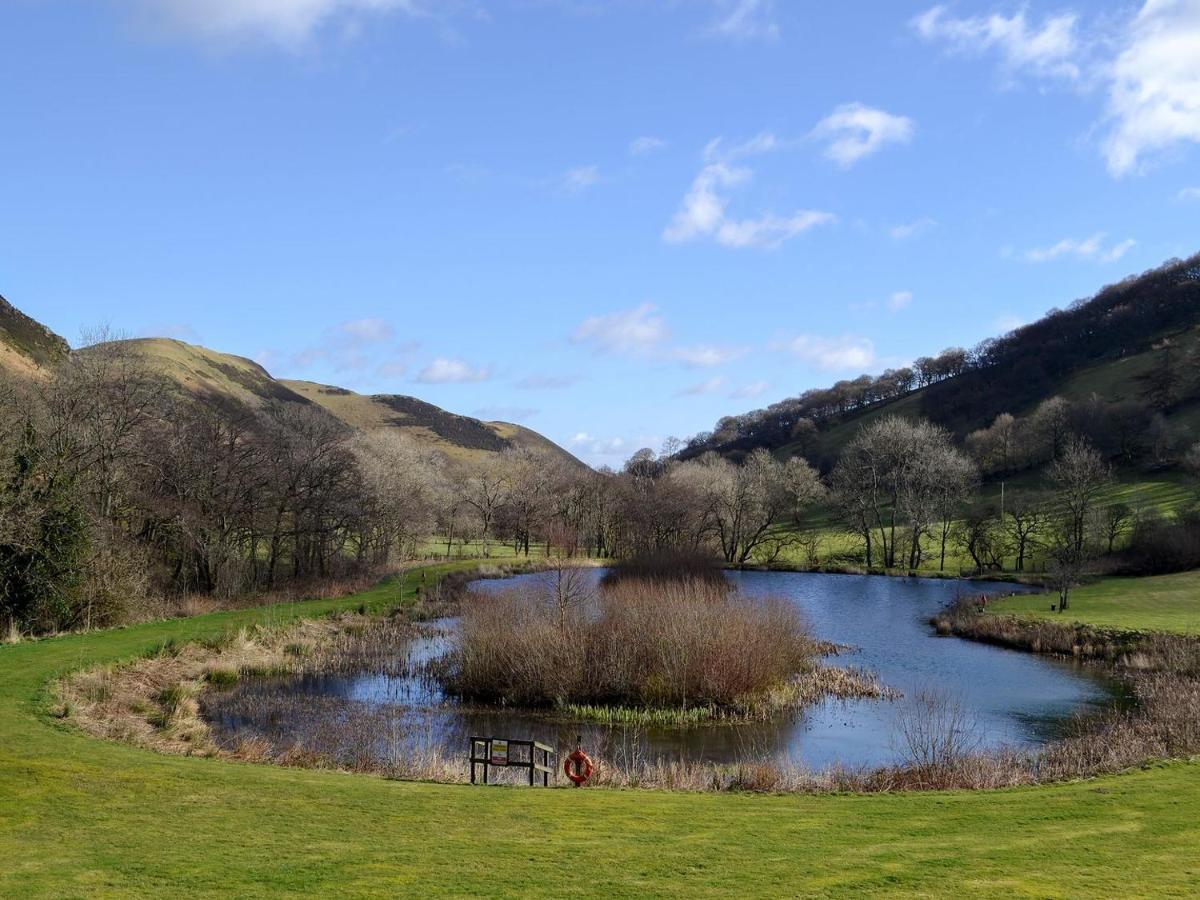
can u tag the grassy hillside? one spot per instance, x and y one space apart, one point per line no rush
1113 381
461 438
84 817
1108 346
27 347
205 372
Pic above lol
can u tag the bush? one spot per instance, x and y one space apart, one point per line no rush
1161 547
667 565
638 643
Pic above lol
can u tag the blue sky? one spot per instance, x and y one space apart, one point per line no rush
611 221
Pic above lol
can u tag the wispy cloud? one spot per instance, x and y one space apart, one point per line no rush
1091 248
646 145
546 382
703 212
745 20
707 355
286 23
1154 96
750 391
1188 195
444 370
575 181
1045 49
854 131
912 229
1148 64
840 354
709 386
900 300
633 331
350 345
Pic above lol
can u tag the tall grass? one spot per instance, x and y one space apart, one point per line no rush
667 565
638 643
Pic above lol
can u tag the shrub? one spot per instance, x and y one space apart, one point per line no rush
1160 547
639 643
667 565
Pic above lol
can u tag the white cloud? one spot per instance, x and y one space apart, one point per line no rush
645 145
289 23
1149 65
576 181
452 371
832 354
711 386
633 331
600 448
748 391
1046 50
1091 248
900 300
746 20
707 355
854 131
1188 195
912 229
1154 96
703 213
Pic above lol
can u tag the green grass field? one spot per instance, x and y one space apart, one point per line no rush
80 817
1162 603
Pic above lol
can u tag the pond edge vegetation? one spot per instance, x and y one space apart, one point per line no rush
1162 670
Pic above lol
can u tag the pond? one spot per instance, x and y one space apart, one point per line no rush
1014 698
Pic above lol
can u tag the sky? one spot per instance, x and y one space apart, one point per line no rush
612 222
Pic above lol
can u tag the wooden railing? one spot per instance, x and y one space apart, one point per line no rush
502 753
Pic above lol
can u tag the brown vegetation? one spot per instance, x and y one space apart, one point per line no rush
645 643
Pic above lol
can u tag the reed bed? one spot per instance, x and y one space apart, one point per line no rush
639 643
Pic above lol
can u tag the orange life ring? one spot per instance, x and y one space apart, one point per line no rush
578 767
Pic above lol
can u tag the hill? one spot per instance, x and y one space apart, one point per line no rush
461 438
1135 344
29 349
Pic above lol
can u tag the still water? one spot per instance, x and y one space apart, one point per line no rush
1014 698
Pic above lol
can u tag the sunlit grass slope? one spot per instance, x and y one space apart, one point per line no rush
79 817
1161 603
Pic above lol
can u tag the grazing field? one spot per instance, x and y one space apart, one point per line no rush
84 817
1161 603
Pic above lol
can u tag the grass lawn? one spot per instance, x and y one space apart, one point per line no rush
1162 603
81 817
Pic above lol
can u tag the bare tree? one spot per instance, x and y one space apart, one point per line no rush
746 501
1025 517
1079 476
889 478
484 490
